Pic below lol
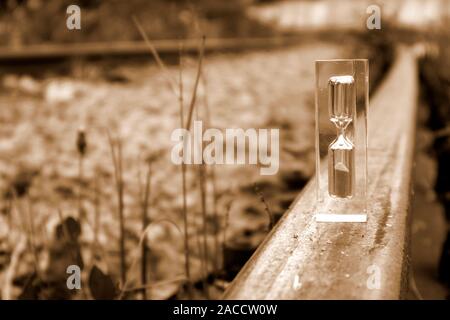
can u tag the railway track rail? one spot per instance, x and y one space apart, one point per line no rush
136 48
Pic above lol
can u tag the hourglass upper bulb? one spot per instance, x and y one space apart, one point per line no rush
341 96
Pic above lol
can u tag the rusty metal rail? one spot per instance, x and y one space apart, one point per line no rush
52 51
305 259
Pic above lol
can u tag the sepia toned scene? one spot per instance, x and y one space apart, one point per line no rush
171 150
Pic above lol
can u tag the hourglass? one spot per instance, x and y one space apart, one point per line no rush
342 100
341 152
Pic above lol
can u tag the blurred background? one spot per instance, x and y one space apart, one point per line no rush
86 117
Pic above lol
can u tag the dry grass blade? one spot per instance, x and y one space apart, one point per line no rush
137 250
145 221
19 249
8 278
80 187
15 206
121 213
227 221
32 235
201 170
203 264
96 210
266 206
183 177
413 286
81 147
117 163
216 219
212 175
157 284
197 78
201 177
172 82
66 233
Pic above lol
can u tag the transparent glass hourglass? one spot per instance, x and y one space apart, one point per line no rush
342 100
341 152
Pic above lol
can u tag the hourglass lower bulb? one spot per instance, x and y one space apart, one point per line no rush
341 152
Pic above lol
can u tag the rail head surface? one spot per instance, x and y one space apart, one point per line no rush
305 259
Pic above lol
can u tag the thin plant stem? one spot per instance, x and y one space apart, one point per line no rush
32 234
116 155
137 251
183 177
171 81
201 177
121 213
227 220
173 85
96 210
203 264
212 175
80 187
145 221
66 233
266 206
180 278
8 279
202 188
197 78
